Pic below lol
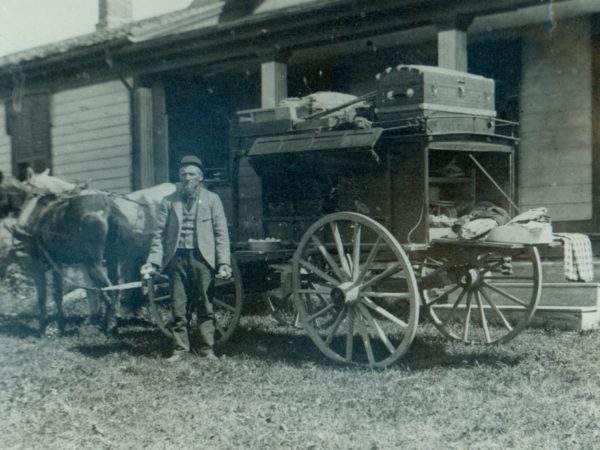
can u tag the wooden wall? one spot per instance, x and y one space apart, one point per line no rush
5 148
91 136
555 161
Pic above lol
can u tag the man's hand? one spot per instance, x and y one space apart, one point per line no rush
148 270
224 272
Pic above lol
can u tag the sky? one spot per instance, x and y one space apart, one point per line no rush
30 23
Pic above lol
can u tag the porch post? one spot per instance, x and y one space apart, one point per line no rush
273 83
452 42
143 139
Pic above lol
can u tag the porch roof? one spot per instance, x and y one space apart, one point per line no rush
222 31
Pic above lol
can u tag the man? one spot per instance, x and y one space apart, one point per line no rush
190 244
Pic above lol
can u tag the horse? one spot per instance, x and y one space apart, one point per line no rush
83 230
48 211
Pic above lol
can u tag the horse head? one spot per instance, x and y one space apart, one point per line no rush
13 195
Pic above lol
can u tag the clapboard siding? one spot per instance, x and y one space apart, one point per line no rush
99 164
100 132
5 146
98 145
555 160
91 92
74 173
108 153
92 103
82 120
91 136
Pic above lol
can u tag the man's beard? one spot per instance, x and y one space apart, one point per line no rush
188 189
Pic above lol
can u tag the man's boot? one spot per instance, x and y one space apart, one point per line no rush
207 334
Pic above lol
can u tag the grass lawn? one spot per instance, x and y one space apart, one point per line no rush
272 389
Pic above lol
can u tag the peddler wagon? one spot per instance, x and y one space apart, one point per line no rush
359 218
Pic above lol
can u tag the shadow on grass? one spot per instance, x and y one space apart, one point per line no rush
261 339
26 325
426 351
135 337
19 326
275 345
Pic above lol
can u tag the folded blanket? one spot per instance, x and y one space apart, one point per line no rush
578 256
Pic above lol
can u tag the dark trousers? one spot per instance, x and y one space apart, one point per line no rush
192 285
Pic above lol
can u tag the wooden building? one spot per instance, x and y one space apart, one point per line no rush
119 106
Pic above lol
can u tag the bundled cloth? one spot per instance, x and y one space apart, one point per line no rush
479 222
578 256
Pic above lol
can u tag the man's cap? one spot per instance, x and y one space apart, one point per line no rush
191 160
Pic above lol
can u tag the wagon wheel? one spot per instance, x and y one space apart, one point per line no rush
488 299
355 290
227 303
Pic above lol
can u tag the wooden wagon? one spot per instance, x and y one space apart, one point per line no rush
358 256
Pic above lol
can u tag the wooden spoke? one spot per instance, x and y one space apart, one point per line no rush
455 304
340 247
336 268
383 275
382 336
510 299
505 294
350 335
224 305
356 252
375 307
445 293
369 262
312 292
366 340
506 323
484 322
398 295
351 258
318 314
314 269
336 325
467 318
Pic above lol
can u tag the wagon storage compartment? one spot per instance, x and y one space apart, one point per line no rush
306 175
442 100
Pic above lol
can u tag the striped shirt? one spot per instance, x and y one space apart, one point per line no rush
187 237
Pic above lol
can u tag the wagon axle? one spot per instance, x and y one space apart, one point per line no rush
472 279
345 293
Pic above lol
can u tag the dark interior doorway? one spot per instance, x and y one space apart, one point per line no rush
202 113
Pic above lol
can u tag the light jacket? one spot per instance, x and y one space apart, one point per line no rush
212 236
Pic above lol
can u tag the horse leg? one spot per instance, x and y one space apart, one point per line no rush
100 279
57 293
92 299
39 277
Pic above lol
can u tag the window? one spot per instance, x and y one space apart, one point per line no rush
29 129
